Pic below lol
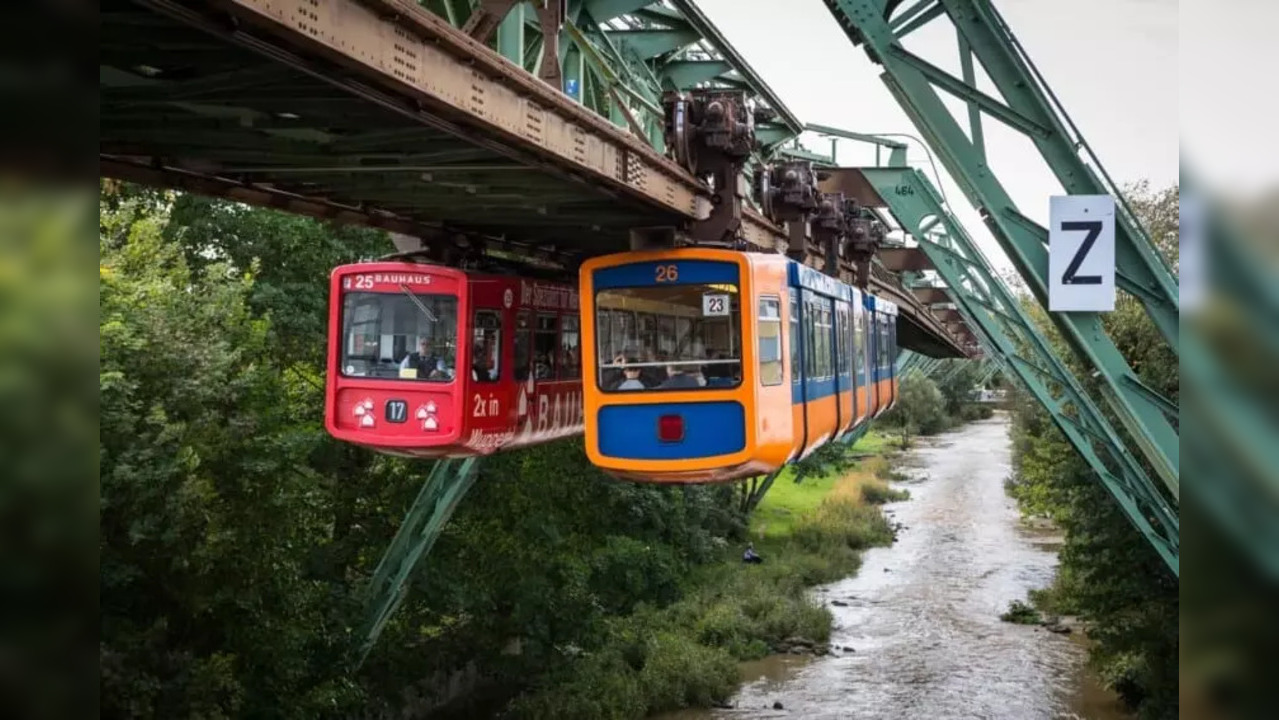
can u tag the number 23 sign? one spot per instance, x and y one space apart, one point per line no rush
715 306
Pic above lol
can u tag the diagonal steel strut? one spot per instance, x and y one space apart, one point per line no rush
444 488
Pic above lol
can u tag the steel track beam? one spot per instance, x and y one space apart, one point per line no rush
393 55
434 67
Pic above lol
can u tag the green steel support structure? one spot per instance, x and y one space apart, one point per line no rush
988 371
1148 417
1008 332
444 488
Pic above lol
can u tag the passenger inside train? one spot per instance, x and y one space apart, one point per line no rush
662 338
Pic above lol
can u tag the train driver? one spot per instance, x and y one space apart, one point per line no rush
427 363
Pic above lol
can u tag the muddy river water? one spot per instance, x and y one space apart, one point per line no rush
920 621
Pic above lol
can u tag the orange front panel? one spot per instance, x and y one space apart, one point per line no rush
597 403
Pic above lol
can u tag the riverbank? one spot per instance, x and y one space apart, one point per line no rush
917 628
687 654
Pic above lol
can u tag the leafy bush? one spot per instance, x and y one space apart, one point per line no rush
1020 613
842 521
877 492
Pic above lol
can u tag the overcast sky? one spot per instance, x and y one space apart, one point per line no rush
1112 63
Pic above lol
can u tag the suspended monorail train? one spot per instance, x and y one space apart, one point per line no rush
431 361
754 361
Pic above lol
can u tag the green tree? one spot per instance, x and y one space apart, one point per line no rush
207 607
920 408
237 536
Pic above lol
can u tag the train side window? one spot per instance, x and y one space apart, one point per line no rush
770 341
859 341
883 344
796 334
570 342
604 332
828 333
486 346
523 346
546 346
846 339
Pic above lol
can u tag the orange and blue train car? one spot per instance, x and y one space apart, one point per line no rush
708 365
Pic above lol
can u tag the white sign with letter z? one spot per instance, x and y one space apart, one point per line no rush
1081 253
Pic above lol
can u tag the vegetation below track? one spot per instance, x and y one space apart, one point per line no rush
686 653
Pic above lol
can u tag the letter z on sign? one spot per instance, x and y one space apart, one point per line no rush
1081 253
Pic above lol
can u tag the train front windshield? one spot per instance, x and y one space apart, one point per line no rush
680 337
399 336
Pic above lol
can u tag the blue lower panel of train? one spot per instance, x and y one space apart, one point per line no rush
671 431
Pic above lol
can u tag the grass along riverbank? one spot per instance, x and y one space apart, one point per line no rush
685 654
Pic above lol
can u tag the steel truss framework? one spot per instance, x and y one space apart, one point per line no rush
1009 336
617 57
1028 106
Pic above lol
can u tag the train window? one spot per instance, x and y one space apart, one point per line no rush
409 336
666 335
684 337
486 346
859 340
817 336
546 346
570 340
770 341
825 330
883 344
796 333
623 335
845 336
647 329
523 346
604 331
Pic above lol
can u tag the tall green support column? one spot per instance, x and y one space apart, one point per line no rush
510 36
444 488
1148 416
1007 332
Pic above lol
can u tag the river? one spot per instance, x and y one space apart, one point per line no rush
921 618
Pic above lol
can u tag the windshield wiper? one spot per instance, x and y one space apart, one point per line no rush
418 302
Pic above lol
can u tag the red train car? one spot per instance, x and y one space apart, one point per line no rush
430 361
